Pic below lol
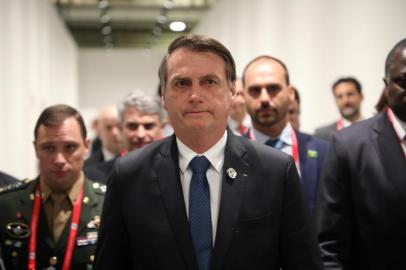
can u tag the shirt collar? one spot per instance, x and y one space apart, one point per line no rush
399 126
285 135
215 154
72 193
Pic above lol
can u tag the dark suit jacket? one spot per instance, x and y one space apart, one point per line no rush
361 214
6 179
263 218
325 132
99 172
95 157
16 207
311 156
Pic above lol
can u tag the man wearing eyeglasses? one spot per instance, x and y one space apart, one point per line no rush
361 212
268 95
141 117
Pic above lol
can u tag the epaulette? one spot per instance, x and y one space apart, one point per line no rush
99 188
15 186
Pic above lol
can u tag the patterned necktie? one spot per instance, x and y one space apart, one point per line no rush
274 143
199 212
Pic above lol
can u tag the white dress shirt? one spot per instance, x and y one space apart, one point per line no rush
214 175
400 129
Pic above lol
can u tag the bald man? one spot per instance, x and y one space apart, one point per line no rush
108 127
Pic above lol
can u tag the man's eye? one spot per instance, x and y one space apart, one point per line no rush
211 82
254 91
48 148
149 126
132 126
70 147
181 83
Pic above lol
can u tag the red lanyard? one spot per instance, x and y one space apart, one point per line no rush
72 233
295 148
392 120
340 124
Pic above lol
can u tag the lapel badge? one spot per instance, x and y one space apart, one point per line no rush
231 173
18 230
312 153
85 200
94 223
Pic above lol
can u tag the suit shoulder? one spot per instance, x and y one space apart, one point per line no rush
15 187
263 152
358 131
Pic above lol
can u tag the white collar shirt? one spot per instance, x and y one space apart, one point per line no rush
214 175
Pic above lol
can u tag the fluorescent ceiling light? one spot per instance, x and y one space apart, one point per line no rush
177 26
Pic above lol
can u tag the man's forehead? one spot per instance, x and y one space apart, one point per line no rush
67 126
182 59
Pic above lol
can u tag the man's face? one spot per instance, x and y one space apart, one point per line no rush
197 94
348 99
109 132
267 94
61 151
140 129
237 109
294 113
396 85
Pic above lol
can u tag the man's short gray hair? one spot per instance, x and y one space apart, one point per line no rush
144 103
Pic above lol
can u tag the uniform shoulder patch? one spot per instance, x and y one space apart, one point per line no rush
15 186
99 188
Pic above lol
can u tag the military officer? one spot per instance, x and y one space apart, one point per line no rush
52 222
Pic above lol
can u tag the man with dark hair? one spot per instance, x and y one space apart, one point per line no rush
361 214
348 96
268 97
52 222
204 198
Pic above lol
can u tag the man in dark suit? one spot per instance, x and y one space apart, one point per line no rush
52 222
204 198
108 130
361 213
348 95
141 121
268 95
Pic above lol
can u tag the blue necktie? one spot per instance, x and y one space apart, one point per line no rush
199 212
275 143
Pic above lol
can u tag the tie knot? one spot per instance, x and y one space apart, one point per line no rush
272 142
199 164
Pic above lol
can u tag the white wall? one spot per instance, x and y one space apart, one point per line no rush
106 77
38 67
319 41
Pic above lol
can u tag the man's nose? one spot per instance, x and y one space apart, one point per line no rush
60 158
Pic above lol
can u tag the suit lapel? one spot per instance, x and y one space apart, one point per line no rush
167 169
231 196
391 154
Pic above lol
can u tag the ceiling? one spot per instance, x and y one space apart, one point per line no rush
129 23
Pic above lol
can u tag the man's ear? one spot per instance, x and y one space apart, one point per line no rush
291 92
35 148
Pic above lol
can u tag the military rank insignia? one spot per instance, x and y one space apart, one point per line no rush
18 230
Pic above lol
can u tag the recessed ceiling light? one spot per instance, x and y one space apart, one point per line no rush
177 26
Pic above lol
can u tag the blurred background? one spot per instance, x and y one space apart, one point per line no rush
91 53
